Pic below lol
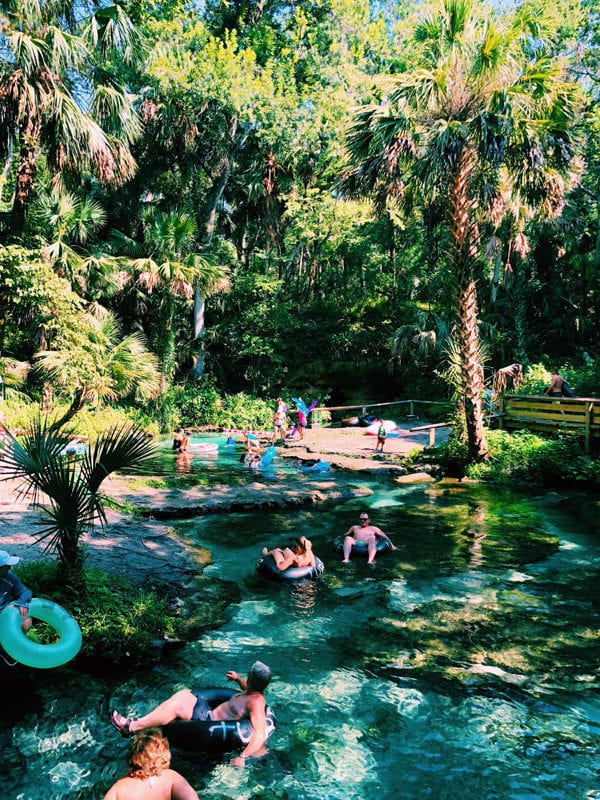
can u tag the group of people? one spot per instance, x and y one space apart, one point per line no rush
149 776
181 441
302 555
280 420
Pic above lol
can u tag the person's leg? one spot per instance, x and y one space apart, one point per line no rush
282 558
178 706
372 549
348 543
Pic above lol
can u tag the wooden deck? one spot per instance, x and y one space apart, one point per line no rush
577 415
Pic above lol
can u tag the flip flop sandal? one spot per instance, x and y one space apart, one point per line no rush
123 727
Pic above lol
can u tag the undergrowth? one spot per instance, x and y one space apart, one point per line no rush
118 620
524 459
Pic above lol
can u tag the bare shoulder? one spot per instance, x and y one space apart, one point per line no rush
180 788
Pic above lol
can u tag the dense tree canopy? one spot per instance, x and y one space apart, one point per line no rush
347 193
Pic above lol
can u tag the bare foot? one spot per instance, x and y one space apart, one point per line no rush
264 551
346 561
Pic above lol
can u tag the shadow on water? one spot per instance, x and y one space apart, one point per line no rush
463 665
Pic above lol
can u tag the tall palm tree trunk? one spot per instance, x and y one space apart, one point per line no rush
463 253
25 174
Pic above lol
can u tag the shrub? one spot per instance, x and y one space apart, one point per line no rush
20 413
118 621
524 458
200 404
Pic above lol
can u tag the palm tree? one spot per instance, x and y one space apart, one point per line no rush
68 491
482 114
96 363
165 264
54 98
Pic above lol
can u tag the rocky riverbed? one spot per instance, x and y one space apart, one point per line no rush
141 545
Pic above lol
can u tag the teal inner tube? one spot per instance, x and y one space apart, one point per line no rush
33 654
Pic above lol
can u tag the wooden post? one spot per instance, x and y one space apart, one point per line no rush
501 413
431 437
588 417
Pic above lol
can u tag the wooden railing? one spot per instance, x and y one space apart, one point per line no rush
578 415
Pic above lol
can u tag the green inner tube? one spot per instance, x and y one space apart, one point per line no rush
33 654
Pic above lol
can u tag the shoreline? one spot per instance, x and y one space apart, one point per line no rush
145 547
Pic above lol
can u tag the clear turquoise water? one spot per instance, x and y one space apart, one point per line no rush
463 666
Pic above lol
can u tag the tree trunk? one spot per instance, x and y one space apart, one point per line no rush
463 253
77 403
25 174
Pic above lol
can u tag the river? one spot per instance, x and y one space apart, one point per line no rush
464 665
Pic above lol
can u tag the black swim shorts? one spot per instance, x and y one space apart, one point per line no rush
201 710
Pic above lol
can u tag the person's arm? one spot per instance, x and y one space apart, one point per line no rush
181 789
21 595
350 531
258 720
379 532
233 676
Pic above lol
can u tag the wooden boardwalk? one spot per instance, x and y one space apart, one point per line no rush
573 415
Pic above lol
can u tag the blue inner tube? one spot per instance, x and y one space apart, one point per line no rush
360 548
266 567
268 456
206 736
32 653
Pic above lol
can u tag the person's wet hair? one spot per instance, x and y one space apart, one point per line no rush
149 754
259 676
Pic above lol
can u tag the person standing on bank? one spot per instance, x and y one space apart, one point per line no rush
381 436
364 533
12 591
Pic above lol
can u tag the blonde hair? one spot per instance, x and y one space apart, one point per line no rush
304 544
149 754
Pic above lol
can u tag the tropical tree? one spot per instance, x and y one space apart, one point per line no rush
165 265
67 491
57 96
483 114
94 362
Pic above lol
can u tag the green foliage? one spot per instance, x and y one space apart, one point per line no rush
118 620
524 459
536 378
452 457
92 421
199 404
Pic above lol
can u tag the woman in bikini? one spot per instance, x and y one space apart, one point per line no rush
301 556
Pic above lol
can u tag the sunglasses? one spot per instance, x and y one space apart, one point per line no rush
364 519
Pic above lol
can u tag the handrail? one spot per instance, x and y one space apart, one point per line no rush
365 406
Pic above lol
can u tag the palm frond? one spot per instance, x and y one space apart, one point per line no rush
123 447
